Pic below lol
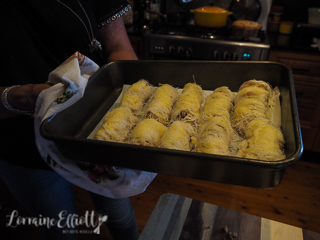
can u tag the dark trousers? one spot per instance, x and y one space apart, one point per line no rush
46 194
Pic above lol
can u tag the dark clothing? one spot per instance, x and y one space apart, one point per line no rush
46 193
37 36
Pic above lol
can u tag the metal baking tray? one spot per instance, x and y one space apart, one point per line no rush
70 128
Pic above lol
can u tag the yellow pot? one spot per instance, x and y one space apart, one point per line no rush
210 16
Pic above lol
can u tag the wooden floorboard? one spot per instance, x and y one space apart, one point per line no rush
295 201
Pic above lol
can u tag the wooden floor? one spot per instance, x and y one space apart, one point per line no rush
295 201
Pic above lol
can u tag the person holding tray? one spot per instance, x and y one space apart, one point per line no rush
37 36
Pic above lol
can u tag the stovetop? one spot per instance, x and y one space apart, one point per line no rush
192 31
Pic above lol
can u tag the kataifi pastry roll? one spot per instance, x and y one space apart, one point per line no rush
263 141
116 125
214 136
187 107
251 102
137 95
147 132
218 103
178 136
161 103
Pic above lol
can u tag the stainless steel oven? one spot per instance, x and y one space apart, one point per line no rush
179 40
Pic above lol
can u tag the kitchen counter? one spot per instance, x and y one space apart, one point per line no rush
299 40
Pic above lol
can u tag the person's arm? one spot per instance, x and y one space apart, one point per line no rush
21 98
115 42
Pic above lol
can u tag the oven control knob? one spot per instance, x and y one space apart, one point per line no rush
216 55
171 49
180 50
225 56
234 57
188 52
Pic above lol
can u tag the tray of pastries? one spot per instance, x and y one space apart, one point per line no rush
230 122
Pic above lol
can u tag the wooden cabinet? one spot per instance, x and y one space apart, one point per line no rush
306 73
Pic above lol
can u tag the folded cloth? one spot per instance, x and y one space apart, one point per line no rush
70 80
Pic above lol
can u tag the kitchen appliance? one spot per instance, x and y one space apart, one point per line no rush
174 41
70 129
195 43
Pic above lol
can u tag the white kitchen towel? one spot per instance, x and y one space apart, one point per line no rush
70 81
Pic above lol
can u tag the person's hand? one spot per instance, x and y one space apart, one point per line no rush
23 97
